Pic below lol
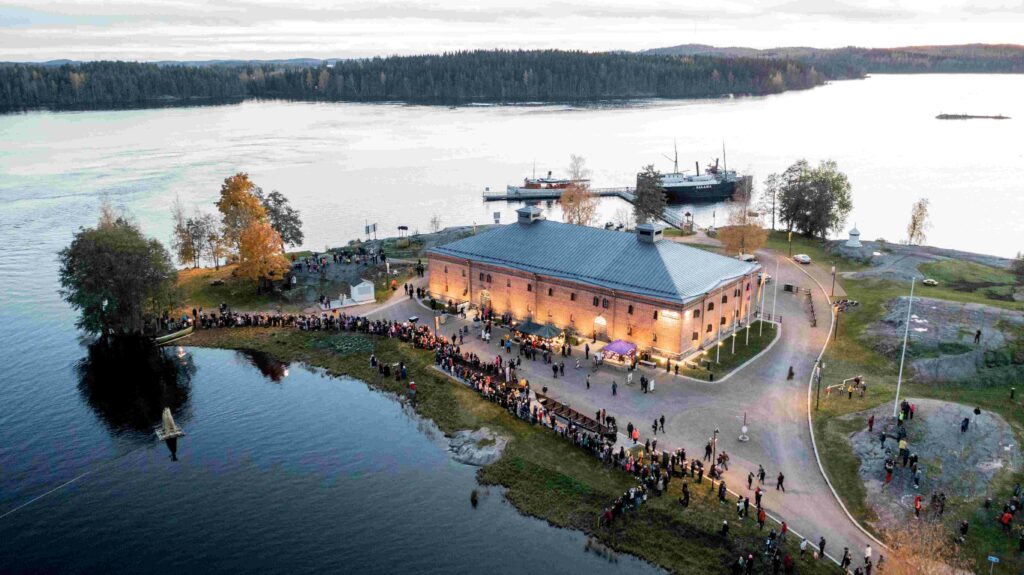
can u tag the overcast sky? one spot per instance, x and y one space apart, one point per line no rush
33 30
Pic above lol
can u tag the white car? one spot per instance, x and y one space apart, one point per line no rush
802 259
930 282
747 258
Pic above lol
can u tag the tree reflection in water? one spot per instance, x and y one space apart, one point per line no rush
128 383
271 368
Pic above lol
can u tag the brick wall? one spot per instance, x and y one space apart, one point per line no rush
649 323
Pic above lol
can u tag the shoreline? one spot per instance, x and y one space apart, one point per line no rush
545 476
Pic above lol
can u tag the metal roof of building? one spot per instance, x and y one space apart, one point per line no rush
611 259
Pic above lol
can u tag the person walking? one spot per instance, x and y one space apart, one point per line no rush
803 547
654 427
779 483
685 498
761 473
588 381
586 351
761 516
845 562
615 388
867 554
750 480
871 423
629 429
757 496
662 421
821 548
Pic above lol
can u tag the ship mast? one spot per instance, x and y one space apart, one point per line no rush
675 160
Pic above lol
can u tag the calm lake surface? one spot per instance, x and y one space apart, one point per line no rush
318 474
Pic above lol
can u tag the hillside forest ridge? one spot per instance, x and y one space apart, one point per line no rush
500 76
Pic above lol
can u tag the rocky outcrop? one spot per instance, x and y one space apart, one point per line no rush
481 447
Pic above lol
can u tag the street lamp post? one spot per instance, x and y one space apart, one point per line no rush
718 351
833 279
714 447
817 376
791 243
733 343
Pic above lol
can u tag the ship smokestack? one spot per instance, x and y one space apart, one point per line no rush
549 174
697 164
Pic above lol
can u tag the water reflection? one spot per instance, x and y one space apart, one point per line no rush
129 383
270 367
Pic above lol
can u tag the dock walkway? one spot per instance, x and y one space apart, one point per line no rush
625 193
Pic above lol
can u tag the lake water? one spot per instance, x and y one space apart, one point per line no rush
305 474
321 474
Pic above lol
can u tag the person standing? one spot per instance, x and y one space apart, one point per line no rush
588 381
615 388
586 351
821 548
845 562
867 554
662 421
750 480
779 483
871 423
761 516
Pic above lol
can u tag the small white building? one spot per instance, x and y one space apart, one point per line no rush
362 292
854 241
359 294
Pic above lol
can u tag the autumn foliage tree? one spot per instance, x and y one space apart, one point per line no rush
579 204
239 206
744 234
260 257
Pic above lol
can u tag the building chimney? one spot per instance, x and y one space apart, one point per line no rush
649 233
529 214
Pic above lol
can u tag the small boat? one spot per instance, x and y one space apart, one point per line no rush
173 337
169 429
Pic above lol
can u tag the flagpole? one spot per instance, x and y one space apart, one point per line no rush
906 336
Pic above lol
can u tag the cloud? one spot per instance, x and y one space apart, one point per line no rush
200 29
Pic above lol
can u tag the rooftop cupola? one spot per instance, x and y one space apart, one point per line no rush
529 214
649 233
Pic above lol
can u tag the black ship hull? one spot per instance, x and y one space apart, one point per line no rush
702 193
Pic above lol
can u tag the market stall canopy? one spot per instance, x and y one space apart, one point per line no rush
620 347
549 331
529 328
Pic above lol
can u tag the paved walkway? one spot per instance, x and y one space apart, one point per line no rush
775 408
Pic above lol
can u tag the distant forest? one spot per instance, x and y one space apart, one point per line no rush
851 61
455 78
687 71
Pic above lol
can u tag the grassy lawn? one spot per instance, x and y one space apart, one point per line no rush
970 282
850 355
727 360
813 247
545 476
236 292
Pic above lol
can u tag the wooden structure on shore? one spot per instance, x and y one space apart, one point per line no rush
173 337
566 415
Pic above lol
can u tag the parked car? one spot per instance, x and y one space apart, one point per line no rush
767 277
930 282
746 257
802 259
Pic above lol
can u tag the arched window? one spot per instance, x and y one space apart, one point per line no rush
596 301
711 306
529 287
710 327
629 310
725 298
604 303
696 313
551 292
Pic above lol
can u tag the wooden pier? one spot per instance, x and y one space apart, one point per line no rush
626 193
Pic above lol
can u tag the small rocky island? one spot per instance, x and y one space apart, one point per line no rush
970 117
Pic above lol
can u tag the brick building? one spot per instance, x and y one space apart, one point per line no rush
661 295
